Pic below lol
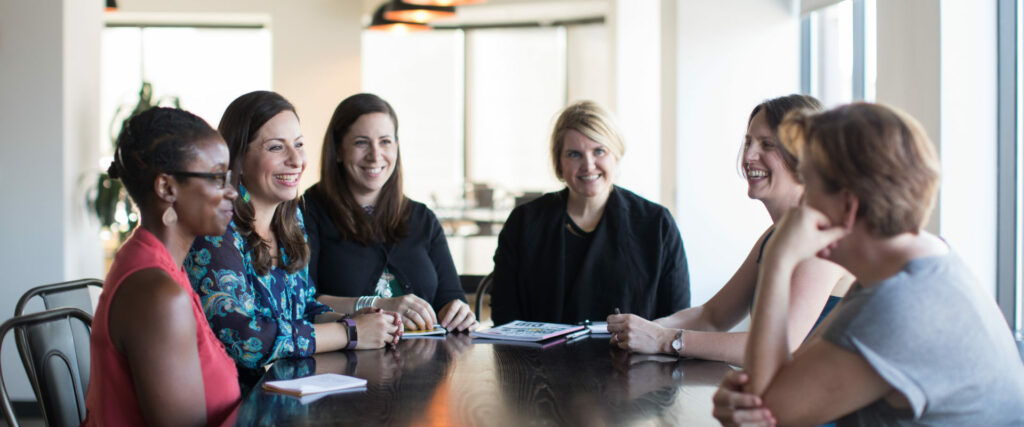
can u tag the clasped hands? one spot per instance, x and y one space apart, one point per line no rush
417 314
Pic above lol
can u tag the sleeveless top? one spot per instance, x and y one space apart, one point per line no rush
829 305
111 399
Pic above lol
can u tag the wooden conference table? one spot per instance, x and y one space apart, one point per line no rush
462 381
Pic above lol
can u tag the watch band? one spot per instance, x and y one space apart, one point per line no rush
353 336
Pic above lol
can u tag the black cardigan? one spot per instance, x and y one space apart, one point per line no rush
636 263
421 261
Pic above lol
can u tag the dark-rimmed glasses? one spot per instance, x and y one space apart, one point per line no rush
222 179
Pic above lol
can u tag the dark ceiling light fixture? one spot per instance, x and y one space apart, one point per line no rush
380 23
445 2
111 5
399 10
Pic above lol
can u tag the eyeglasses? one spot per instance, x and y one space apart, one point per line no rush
222 179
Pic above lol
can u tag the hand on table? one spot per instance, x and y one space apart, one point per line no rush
634 333
415 312
457 316
733 407
376 328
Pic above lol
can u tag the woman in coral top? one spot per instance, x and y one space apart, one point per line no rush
155 360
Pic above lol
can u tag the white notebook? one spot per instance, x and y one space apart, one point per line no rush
315 384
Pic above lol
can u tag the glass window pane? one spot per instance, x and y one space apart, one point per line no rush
515 88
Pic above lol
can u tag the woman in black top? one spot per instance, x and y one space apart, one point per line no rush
592 248
370 246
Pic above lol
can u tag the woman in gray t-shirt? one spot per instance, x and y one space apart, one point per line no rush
916 341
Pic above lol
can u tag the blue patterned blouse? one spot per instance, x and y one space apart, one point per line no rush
258 318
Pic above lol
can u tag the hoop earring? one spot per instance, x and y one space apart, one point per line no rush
170 216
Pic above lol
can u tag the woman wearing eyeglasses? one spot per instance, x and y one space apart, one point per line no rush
253 280
154 359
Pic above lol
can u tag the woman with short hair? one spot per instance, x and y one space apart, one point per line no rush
154 358
916 340
592 248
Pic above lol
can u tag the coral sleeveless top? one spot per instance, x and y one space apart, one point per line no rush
111 399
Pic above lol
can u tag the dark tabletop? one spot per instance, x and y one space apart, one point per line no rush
462 381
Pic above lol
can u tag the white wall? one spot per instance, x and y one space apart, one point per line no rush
732 54
316 55
968 129
635 29
49 60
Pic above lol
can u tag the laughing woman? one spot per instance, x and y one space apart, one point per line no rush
916 341
370 245
254 280
155 360
703 332
592 248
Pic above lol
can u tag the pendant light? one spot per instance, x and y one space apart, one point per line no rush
444 2
380 23
399 10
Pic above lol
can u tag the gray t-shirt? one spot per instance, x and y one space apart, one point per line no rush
939 339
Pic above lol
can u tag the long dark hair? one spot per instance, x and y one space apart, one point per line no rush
239 126
155 141
388 220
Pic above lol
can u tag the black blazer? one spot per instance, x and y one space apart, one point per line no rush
421 261
636 263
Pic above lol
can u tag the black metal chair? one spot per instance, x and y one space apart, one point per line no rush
51 356
482 290
74 293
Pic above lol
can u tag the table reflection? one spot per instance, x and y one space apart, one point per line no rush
460 381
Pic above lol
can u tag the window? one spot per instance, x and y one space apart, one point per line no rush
838 39
485 100
1009 289
204 68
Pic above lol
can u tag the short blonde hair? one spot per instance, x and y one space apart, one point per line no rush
589 119
879 153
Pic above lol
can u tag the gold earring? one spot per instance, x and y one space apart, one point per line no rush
170 216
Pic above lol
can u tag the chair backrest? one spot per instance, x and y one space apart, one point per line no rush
46 343
482 290
74 293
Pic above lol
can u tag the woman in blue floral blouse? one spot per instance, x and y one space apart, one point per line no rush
253 281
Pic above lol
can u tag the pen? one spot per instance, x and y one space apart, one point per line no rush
617 311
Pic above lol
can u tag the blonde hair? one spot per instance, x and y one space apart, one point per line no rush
589 119
879 153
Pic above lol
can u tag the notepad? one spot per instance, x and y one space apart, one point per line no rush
527 331
315 384
436 330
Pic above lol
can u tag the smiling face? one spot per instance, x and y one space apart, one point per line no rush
768 178
368 155
275 160
587 166
203 207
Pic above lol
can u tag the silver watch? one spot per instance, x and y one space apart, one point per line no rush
678 344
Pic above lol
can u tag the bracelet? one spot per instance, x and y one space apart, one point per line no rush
364 302
353 336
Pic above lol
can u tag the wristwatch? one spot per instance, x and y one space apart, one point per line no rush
678 344
353 337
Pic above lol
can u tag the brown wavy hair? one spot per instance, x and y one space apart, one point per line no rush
388 222
239 126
